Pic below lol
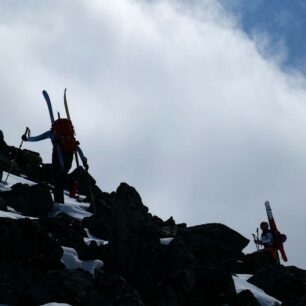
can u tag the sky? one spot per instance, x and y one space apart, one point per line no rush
199 105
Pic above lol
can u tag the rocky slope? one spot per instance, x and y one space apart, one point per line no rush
138 265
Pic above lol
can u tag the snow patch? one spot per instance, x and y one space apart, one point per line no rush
93 238
263 299
165 241
72 262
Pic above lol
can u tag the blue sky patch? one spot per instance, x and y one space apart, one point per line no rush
283 22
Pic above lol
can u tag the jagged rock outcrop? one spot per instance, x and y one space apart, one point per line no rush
24 241
214 244
245 298
288 284
35 201
134 240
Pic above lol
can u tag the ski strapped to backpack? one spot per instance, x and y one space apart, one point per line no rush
57 147
68 116
277 236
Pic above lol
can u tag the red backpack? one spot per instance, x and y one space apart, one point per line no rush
63 132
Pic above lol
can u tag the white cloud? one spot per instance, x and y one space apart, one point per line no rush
177 102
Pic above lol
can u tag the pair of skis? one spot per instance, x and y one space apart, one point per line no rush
277 236
49 104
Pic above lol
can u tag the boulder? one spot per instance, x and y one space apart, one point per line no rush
134 240
214 244
172 258
195 286
25 241
259 260
33 201
284 283
3 206
244 298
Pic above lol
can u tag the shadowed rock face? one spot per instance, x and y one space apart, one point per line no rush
288 284
24 241
35 201
244 298
214 244
134 240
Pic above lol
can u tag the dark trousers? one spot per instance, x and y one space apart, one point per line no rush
60 172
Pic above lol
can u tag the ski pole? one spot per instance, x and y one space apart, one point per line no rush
257 246
26 133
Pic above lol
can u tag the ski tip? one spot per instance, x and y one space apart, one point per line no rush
44 92
267 203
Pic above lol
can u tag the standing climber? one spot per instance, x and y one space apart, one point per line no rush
64 147
267 239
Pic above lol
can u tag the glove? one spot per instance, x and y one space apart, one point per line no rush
24 137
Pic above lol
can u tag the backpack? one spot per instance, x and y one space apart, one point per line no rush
63 132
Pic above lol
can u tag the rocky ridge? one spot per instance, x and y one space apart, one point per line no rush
195 267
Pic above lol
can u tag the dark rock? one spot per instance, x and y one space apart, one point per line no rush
5 164
23 285
84 179
174 290
100 224
3 206
28 163
195 287
172 258
4 148
213 286
283 283
68 231
214 244
245 298
25 241
117 290
47 173
134 238
259 260
30 200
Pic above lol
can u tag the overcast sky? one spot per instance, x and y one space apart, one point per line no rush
177 99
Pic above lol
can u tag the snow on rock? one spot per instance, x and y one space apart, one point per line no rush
263 299
12 180
55 304
12 215
72 208
165 241
72 262
90 238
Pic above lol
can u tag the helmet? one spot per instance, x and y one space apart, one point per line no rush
264 225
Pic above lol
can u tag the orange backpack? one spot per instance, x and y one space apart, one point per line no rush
63 132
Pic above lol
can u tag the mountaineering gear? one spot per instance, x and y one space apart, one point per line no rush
47 98
68 116
63 132
64 146
277 236
24 137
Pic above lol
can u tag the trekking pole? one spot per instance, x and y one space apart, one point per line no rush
26 133
257 246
